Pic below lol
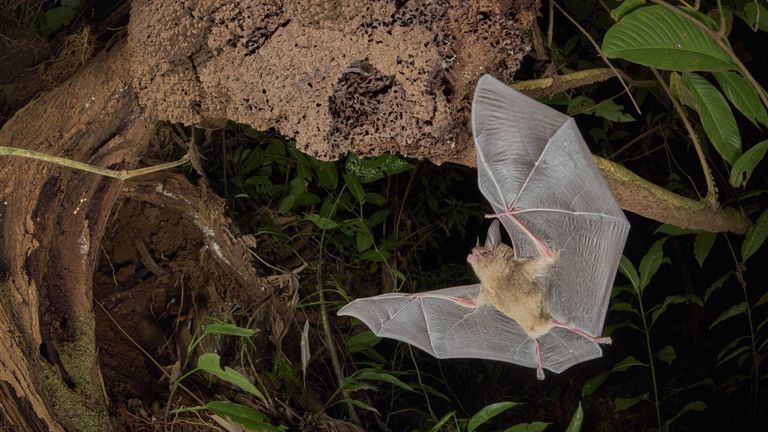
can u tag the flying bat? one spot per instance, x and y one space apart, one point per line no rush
542 302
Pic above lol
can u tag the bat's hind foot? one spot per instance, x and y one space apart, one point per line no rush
598 340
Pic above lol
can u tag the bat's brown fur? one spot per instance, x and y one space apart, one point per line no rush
516 287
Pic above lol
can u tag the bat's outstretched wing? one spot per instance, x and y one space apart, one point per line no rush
447 330
534 164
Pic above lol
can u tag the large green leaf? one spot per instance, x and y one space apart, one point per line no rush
742 169
743 96
716 116
657 37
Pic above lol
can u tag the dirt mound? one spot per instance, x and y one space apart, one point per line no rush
357 75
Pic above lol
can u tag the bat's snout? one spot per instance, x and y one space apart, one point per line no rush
477 253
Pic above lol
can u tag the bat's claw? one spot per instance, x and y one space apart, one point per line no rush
604 340
540 373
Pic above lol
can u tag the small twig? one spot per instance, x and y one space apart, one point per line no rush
118 174
551 24
711 197
635 140
599 51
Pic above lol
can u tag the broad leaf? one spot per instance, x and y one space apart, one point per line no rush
716 117
245 416
651 262
578 417
732 311
625 7
621 404
750 15
755 237
667 355
210 363
488 412
628 270
371 375
657 37
354 187
702 245
742 169
743 96
362 341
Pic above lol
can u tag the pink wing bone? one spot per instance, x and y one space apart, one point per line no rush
510 210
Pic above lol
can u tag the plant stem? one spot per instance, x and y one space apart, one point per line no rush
650 360
711 197
82 166
329 337
754 394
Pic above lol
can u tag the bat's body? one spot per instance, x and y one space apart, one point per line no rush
541 303
516 287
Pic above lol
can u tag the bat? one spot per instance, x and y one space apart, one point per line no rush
540 303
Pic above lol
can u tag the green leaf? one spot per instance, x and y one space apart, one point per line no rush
624 307
210 362
371 375
668 301
375 255
243 415
621 404
592 384
750 15
763 300
363 241
732 311
378 217
667 355
612 111
321 222
654 36
628 362
227 329
625 7
576 420
360 404
755 237
702 244
528 427
743 96
732 355
488 412
717 284
443 420
651 262
372 169
376 199
690 406
362 341
54 19
355 187
742 169
327 174
716 116
628 270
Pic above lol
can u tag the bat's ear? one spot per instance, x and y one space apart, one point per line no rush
494 236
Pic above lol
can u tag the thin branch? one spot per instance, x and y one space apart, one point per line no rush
118 174
600 51
711 197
